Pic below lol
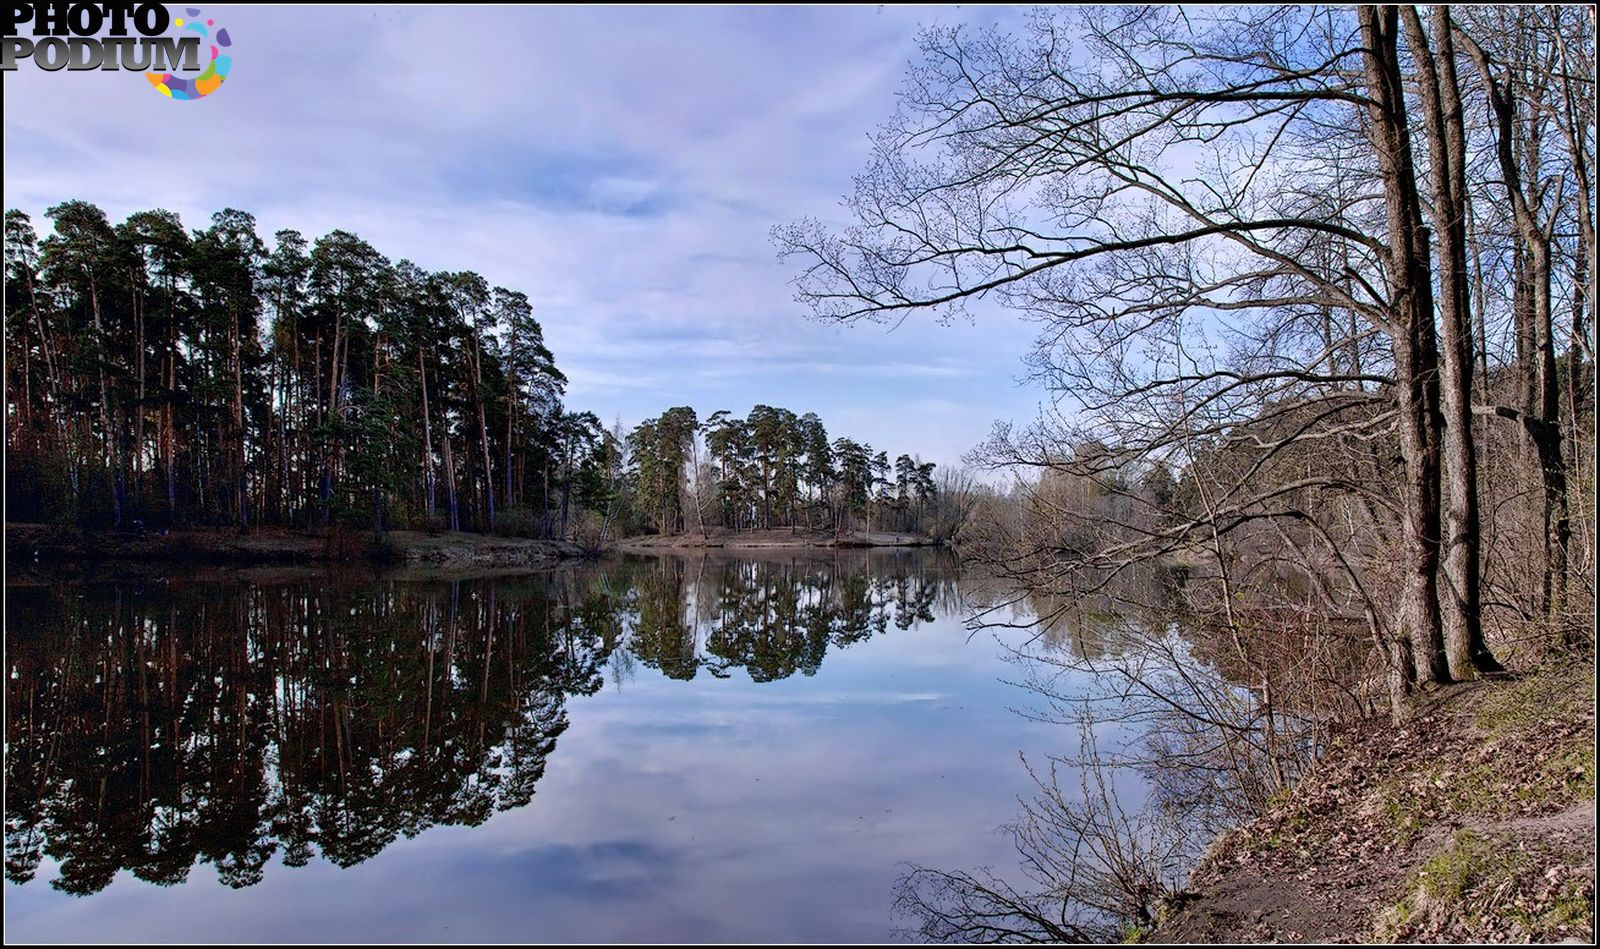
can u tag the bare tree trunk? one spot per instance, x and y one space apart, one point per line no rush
331 461
169 438
450 483
1415 345
1540 406
138 424
1480 294
611 504
241 499
108 450
699 505
427 436
1465 649
483 428
506 499
566 501
281 371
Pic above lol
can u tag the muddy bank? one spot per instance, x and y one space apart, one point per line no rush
38 545
1472 821
774 540
478 550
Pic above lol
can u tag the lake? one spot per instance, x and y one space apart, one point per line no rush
695 749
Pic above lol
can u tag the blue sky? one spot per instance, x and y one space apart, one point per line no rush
621 166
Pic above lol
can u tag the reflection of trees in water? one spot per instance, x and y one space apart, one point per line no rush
1094 625
1089 869
774 617
151 728
1208 707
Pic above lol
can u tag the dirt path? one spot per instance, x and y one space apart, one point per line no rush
1474 821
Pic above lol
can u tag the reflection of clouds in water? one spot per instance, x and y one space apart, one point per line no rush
1183 735
771 617
698 810
172 725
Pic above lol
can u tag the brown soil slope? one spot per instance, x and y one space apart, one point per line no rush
1474 820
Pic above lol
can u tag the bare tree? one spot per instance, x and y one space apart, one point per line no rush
1220 220
1093 869
1168 196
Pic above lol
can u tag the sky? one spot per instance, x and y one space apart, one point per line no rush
621 166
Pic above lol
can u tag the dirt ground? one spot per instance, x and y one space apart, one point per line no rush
1474 820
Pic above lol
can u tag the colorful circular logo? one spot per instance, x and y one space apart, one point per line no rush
176 87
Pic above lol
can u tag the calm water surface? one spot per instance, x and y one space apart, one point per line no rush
654 749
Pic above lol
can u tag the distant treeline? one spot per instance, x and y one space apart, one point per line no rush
772 468
163 377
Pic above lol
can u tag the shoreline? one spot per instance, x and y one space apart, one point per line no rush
780 539
1472 820
29 545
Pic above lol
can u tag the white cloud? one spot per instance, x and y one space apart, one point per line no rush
621 166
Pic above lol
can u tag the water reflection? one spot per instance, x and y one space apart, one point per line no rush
158 727
153 725
1195 707
772 617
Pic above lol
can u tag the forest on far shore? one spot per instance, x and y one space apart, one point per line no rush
160 377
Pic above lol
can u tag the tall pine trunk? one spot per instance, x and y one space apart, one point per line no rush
427 437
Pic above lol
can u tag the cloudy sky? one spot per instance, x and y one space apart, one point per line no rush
621 166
